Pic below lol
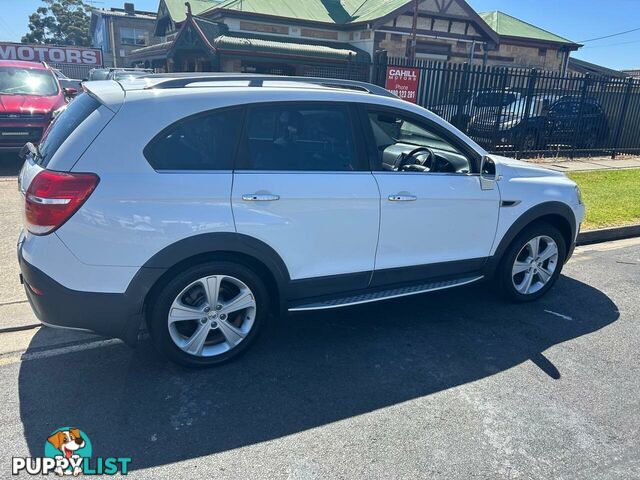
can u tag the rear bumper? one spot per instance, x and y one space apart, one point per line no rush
115 315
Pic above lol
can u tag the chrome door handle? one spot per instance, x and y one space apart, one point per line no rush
402 198
260 197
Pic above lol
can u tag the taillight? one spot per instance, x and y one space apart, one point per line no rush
53 197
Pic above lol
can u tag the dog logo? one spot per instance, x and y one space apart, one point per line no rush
71 444
68 451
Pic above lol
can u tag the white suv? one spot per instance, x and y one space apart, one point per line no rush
200 205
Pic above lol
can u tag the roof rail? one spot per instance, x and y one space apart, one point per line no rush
182 80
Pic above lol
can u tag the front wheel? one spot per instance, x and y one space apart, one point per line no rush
208 314
532 263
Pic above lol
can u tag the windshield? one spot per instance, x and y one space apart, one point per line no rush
27 81
457 96
495 99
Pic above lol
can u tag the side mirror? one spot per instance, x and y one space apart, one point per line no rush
488 173
70 92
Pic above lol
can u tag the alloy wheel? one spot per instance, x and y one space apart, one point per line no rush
534 265
212 315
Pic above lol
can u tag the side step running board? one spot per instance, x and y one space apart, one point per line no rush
384 294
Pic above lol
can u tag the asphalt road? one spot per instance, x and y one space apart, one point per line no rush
455 384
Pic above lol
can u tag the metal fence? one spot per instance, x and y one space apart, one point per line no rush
523 112
73 70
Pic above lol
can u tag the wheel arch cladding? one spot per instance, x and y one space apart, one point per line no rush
233 247
556 214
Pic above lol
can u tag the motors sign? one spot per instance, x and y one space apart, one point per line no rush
403 82
51 54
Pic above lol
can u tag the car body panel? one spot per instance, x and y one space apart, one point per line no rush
451 219
324 223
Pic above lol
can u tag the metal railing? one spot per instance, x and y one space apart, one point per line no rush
522 112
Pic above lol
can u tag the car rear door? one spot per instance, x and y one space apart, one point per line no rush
302 184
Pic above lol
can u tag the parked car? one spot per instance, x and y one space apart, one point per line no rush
30 97
98 74
73 86
552 121
200 206
128 74
483 102
116 73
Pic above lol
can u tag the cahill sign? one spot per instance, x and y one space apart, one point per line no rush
51 54
403 82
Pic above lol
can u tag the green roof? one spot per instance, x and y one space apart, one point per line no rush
178 10
326 11
507 25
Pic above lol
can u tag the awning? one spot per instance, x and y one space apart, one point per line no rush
277 46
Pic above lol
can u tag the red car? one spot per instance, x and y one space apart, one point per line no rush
30 97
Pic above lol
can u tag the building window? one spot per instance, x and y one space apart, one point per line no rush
365 35
542 52
133 36
313 33
430 48
263 27
396 37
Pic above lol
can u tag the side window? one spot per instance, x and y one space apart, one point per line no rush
312 137
565 109
396 137
202 142
591 109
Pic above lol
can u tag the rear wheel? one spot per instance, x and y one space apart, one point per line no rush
533 263
208 314
530 141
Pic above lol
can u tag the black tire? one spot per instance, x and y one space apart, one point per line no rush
530 141
157 318
504 273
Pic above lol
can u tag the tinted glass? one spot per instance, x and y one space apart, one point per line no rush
300 137
565 108
202 142
27 81
64 124
495 99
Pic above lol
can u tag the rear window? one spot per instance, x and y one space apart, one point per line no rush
75 113
202 142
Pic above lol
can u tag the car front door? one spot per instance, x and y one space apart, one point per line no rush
436 219
303 186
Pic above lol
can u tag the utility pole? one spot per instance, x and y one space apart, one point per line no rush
414 31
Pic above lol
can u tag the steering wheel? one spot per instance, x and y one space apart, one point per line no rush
416 166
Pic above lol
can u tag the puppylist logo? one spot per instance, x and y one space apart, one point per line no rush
68 451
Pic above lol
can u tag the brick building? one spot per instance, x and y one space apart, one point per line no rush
295 37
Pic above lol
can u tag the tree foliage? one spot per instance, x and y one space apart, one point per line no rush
61 22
